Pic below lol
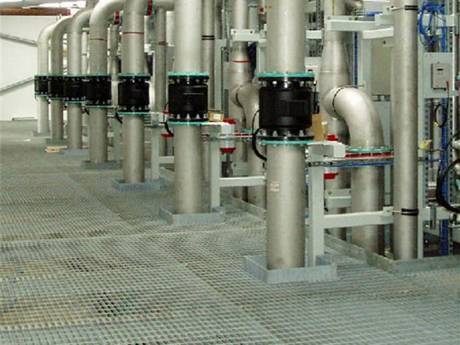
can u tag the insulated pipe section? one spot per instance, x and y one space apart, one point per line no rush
334 73
133 63
239 74
187 137
367 183
43 126
247 97
98 67
79 20
57 69
404 104
286 192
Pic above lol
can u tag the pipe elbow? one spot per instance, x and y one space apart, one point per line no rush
357 110
102 11
80 20
354 5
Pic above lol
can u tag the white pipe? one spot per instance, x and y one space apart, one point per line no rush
98 33
367 183
43 126
208 43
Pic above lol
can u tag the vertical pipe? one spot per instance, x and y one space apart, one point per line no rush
43 125
57 69
161 68
79 20
133 63
98 66
334 73
285 206
208 43
239 73
187 138
405 128
286 193
114 42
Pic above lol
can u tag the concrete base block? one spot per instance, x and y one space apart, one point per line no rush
40 135
110 165
324 270
75 152
56 142
191 219
121 186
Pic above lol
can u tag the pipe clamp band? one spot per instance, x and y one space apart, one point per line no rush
410 212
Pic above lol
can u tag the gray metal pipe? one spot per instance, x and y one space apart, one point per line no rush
239 74
367 183
43 125
98 63
74 111
161 62
133 63
286 194
187 139
334 73
207 44
247 97
57 69
404 103
285 206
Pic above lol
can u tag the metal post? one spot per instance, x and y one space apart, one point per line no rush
215 172
155 153
315 214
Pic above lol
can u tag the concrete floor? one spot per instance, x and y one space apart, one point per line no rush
81 263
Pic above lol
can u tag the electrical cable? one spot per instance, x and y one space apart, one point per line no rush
166 122
254 138
441 179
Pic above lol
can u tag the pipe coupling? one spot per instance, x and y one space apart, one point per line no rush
188 97
133 94
98 90
41 85
74 89
56 87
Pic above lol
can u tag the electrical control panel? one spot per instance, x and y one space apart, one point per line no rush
440 76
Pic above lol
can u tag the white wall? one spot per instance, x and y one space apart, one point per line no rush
17 62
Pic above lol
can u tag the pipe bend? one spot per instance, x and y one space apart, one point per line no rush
357 110
79 20
101 12
246 96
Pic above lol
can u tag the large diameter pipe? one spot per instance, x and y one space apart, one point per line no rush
74 111
133 62
98 66
367 183
286 32
405 128
161 62
187 33
188 170
334 73
57 69
285 207
286 195
187 139
43 126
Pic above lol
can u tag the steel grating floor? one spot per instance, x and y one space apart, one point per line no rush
81 263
